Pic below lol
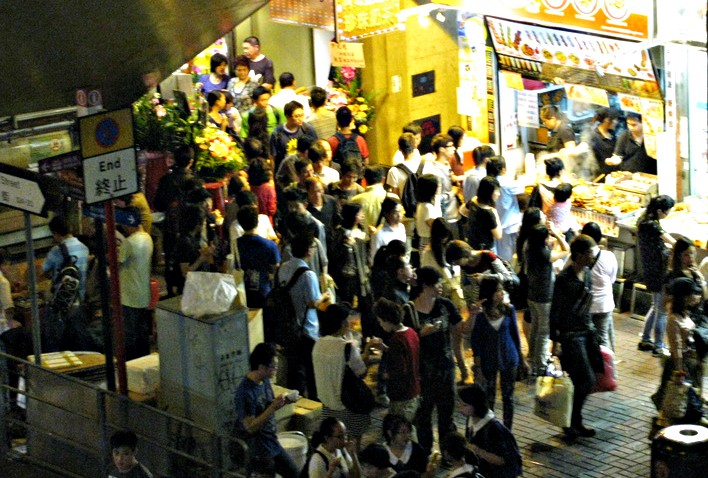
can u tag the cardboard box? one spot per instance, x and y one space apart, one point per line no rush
144 374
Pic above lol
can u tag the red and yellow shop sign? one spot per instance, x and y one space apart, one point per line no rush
362 18
620 18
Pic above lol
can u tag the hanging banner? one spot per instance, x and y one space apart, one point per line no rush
306 13
347 54
633 19
362 18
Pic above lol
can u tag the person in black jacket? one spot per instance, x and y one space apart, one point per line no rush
572 328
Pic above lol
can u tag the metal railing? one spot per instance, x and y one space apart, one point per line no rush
66 424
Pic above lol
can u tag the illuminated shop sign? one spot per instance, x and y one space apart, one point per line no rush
362 18
633 19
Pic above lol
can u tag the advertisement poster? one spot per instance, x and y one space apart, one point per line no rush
361 18
472 65
307 13
527 108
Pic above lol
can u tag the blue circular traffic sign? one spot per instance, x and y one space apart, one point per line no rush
107 132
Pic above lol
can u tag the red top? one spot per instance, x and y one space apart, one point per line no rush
267 203
403 365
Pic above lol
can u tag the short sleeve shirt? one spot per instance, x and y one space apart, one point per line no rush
558 138
425 211
436 348
258 256
306 289
252 399
480 226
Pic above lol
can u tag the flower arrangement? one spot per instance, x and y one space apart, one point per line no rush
347 91
159 126
216 154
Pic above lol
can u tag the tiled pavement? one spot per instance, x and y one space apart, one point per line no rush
622 419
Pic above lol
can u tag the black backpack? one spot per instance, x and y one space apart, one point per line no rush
348 148
408 199
280 324
65 286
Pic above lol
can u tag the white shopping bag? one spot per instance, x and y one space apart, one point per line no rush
554 400
208 293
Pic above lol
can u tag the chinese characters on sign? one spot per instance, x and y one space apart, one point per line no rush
360 18
110 176
347 54
110 164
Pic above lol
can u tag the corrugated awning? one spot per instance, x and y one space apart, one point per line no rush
51 49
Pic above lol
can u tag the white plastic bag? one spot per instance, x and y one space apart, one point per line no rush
208 293
554 400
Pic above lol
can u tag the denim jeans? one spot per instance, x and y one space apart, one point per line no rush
605 329
540 329
656 319
508 381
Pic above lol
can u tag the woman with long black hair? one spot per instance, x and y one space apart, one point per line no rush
654 246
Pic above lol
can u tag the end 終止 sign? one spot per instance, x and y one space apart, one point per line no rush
110 164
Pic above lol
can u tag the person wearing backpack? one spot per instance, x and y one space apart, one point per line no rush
306 298
346 143
54 262
65 263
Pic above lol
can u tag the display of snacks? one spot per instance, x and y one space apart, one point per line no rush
607 222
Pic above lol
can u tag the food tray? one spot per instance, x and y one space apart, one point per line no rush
58 360
607 222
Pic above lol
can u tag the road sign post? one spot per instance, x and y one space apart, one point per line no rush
27 191
110 171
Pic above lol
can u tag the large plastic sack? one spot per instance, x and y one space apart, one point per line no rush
554 400
208 293
607 380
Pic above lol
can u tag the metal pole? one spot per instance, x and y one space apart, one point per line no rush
36 326
118 331
105 305
336 27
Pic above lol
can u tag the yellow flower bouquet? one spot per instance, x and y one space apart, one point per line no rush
216 154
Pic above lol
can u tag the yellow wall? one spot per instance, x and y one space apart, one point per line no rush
416 50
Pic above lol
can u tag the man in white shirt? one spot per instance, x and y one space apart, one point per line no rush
603 273
287 94
480 155
135 258
417 132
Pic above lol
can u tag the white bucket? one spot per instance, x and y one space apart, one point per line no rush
295 445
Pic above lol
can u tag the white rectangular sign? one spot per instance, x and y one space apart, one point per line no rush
110 175
21 194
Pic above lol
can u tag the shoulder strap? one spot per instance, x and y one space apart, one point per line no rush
415 321
596 258
276 113
293 280
347 352
404 168
419 171
68 260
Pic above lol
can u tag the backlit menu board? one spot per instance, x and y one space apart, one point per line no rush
308 13
633 19
568 57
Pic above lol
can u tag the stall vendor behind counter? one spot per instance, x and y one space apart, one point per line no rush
562 135
630 153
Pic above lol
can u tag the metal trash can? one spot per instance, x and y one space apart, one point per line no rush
680 451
